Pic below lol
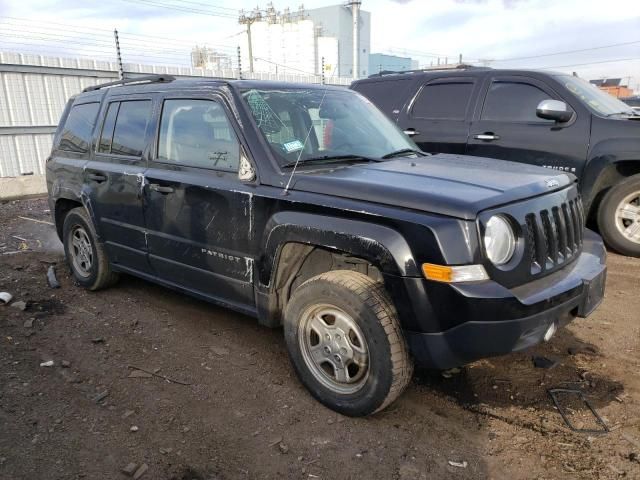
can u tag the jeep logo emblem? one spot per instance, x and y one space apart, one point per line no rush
552 183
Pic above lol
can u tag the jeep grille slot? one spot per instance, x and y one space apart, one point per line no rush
554 235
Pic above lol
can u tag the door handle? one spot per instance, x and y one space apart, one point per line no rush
487 137
161 189
97 177
411 132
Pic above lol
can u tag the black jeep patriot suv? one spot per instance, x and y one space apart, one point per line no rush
541 118
304 206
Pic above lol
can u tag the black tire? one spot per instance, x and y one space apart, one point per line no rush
98 273
366 303
607 217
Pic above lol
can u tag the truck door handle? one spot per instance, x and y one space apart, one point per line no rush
160 189
97 177
487 136
411 132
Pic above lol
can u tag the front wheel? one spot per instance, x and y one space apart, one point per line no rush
619 217
345 342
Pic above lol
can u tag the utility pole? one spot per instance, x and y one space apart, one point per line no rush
248 20
118 55
355 12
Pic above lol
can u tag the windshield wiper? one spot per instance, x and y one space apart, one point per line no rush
330 159
402 152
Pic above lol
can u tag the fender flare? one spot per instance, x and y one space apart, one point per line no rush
601 172
382 246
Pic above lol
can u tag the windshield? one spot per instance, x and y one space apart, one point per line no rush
317 123
597 100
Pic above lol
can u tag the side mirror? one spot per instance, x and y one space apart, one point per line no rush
554 110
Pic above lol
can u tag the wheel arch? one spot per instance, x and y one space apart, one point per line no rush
300 246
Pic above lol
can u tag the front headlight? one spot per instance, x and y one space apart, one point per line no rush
499 240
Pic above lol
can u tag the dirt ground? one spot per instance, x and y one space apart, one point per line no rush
232 407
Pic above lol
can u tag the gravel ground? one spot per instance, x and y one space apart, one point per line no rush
147 376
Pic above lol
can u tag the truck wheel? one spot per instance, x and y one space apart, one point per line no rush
85 255
619 217
345 342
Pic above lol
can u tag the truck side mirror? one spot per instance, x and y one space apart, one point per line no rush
554 110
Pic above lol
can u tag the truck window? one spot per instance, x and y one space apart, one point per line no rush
513 102
197 133
76 134
445 101
130 128
388 95
104 145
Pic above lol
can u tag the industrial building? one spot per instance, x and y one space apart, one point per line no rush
381 62
299 40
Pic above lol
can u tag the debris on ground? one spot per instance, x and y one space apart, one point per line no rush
451 372
48 363
5 297
555 393
19 305
51 277
543 362
130 469
283 448
28 323
462 464
139 374
156 374
141 471
101 396
97 340
134 428
65 364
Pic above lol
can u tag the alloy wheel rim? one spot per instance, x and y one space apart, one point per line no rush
334 348
81 251
628 217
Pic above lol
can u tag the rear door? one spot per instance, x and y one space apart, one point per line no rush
114 178
506 127
198 213
437 115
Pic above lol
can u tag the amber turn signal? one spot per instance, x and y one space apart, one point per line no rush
448 274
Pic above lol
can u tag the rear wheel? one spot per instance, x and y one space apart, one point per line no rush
85 255
619 217
345 343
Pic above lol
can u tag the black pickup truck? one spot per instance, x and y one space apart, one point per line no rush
305 207
537 117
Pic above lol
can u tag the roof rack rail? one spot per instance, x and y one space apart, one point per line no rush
126 81
461 66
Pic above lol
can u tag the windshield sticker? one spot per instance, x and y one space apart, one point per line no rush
293 146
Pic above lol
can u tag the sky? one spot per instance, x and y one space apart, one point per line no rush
602 39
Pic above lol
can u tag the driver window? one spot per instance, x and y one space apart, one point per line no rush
197 133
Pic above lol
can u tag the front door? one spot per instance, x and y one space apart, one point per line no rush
508 128
114 179
437 116
198 213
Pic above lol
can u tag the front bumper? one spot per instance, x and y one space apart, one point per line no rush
464 322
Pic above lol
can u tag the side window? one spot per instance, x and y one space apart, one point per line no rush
513 102
444 101
387 95
107 128
130 127
197 133
76 134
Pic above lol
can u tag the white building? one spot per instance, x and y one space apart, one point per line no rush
210 59
285 42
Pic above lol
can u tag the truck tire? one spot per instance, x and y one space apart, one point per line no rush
619 217
85 255
345 342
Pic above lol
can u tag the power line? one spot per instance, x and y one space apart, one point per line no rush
590 63
567 52
158 3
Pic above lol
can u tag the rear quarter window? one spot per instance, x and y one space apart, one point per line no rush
78 127
387 95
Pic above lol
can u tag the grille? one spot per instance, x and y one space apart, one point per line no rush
554 236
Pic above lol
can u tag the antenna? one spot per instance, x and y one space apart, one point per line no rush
304 144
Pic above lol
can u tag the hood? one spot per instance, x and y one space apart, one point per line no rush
454 185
